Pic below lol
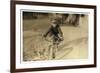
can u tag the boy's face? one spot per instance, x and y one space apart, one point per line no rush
54 25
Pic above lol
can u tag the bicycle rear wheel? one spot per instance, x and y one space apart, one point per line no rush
52 52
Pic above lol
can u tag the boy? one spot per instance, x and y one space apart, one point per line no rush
55 32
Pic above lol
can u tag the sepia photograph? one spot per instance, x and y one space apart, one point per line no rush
54 36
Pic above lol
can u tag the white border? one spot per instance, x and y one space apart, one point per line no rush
37 64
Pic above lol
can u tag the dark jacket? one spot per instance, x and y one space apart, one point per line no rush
54 31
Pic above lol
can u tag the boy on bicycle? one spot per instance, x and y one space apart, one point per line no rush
55 32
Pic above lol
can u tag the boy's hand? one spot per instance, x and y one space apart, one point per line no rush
44 36
61 38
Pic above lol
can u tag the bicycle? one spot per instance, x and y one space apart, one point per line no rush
53 47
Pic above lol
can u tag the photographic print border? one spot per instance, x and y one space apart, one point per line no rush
13 35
